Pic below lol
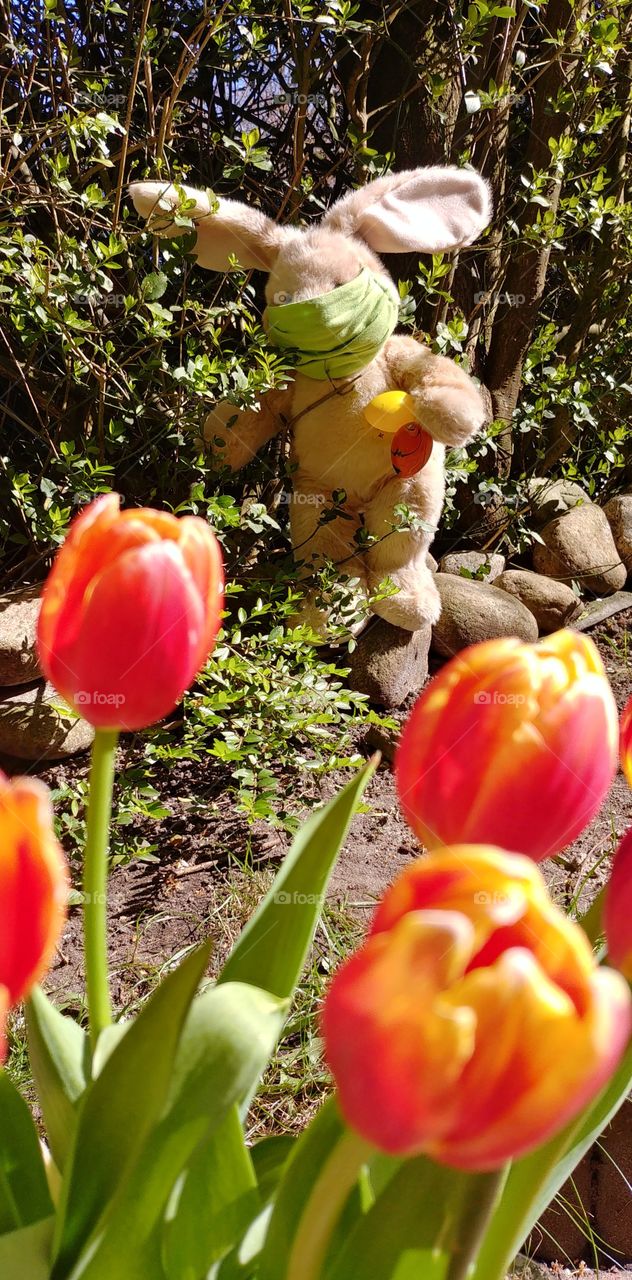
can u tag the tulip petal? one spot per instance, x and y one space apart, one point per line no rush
391 1046
537 1062
138 639
202 555
618 908
626 742
33 886
4 1009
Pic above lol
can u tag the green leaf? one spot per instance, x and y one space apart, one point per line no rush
154 286
306 1176
24 1194
414 1227
228 1036
25 1254
214 1203
270 952
535 1180
269 1157
121 1107
58 1056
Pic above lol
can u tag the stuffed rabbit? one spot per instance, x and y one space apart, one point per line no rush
331 300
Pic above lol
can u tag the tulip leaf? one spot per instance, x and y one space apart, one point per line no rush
24 1194
219 1190
26 1253
121 1107
414 1227
269 1157
535 1180
271 950
58 1057
318 1160
228 1037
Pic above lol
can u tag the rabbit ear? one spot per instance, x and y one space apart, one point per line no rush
428 210
231 231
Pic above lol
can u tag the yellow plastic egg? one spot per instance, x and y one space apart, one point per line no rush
390 411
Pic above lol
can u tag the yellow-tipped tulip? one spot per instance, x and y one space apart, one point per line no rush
511 744
474 1022
33 889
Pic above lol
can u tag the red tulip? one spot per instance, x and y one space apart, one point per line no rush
511 744
130 612
618 908
474 1023
33 889
626 742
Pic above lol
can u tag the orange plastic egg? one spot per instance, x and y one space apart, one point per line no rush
411 449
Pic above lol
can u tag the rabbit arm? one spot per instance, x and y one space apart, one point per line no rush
251 428
448 403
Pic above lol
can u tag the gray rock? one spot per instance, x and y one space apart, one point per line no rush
472 611
19 611
552 603
389 663
34 726
598 610
579 546
618 512
431 562
473 562
551 498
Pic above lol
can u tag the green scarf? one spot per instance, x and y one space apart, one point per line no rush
338 333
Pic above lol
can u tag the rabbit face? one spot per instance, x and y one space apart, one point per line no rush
313 263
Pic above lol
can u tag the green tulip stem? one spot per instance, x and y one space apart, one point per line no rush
475 1217
95 881
324 1206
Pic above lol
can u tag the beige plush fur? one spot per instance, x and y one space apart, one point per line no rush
427 210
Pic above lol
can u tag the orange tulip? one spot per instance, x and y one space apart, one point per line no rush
130 612
626 742
33 889
511 744
474 1022
618 908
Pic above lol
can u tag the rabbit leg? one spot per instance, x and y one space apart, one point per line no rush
315 542
236 444
401 556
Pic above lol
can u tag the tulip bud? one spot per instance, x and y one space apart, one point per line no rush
618 908
626 742
130 612
33 889
474 1023
510 744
